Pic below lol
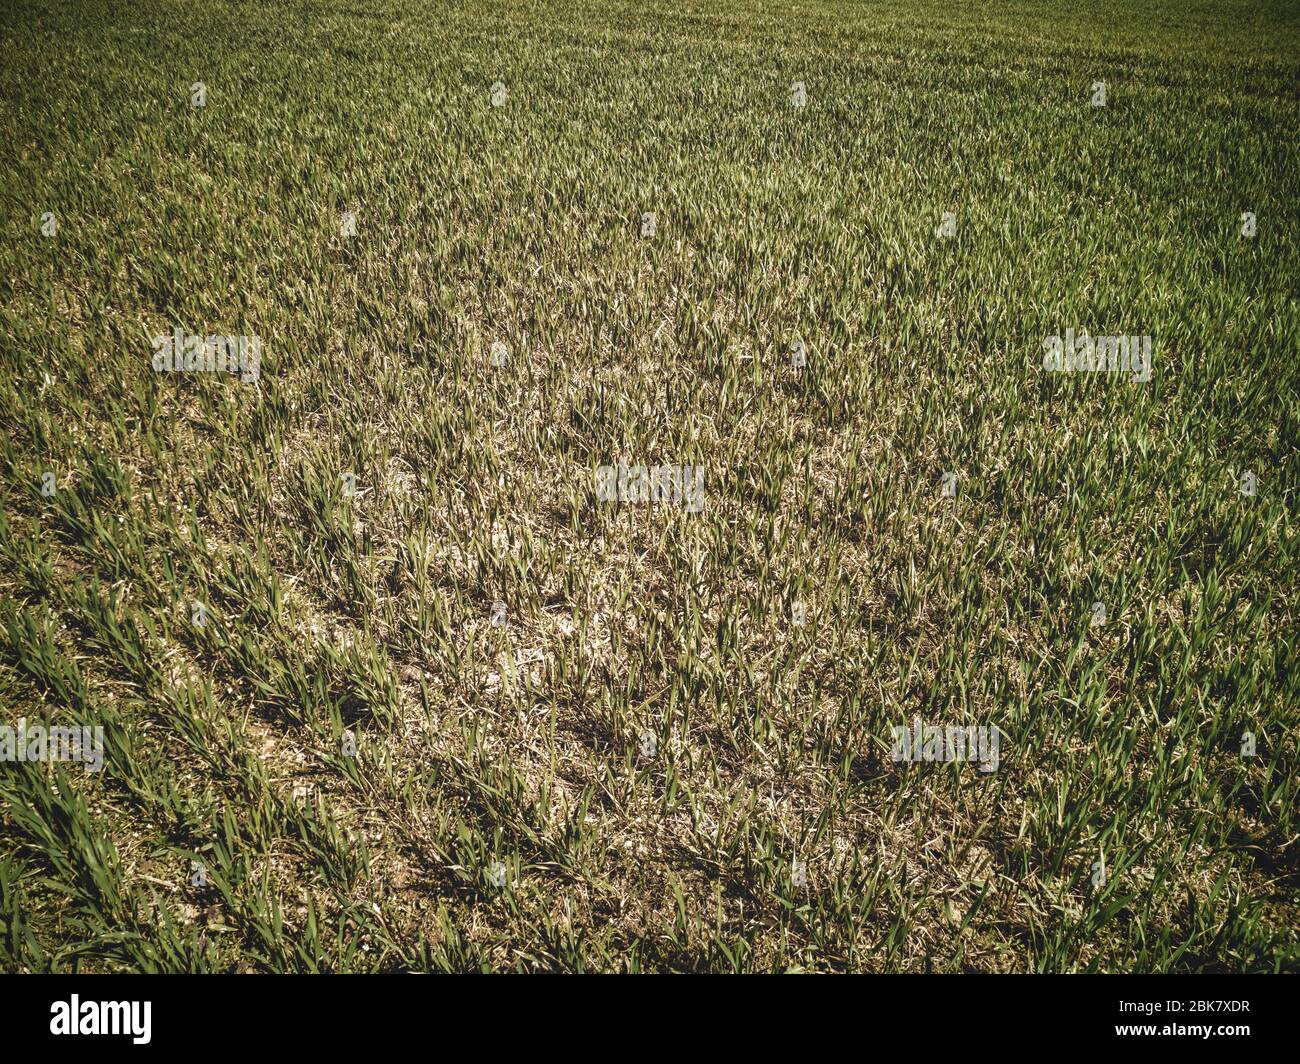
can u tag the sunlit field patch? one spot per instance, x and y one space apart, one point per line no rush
660 412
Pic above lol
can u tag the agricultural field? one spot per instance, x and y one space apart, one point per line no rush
607 486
